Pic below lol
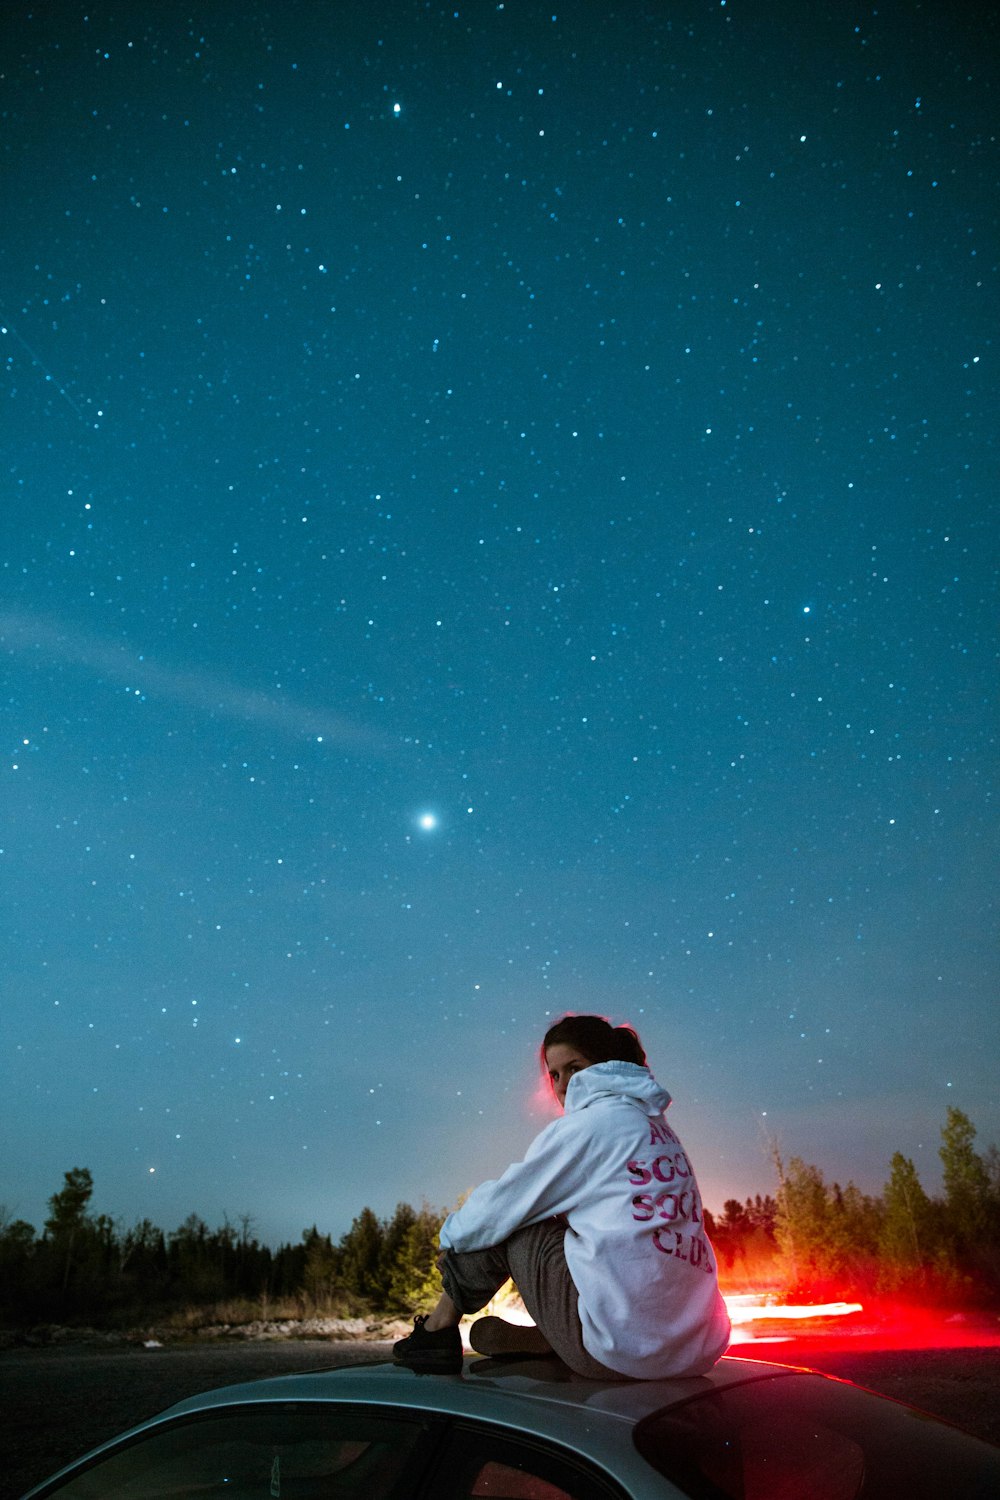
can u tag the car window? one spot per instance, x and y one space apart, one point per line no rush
269 1451
800 1437
480 1461
497 1479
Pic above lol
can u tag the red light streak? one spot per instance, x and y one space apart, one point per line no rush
752 1307
758 1319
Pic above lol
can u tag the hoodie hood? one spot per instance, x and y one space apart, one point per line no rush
623 1080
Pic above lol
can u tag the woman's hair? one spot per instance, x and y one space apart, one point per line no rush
596 1039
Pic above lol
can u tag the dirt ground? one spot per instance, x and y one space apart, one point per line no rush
59 1402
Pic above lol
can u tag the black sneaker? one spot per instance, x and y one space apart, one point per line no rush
437 1353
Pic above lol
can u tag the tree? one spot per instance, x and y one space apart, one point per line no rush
360 1254
67 1219
319 1274
763 1214
415 1284
729 1234
827 1235
143 1258
68 1208
971 1200
17 1254
744 1241
735 1219
17 1238
801 1226
853 1229
906 1239
991 1161
193 1259
966 1178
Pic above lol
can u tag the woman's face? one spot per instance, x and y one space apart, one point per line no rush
562 1062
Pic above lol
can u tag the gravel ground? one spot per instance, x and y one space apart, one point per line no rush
59 1402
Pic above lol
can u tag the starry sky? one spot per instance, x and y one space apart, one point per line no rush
499 518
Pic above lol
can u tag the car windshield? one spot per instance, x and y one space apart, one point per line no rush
275 1451
803 1437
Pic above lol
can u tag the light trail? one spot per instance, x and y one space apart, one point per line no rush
759 1319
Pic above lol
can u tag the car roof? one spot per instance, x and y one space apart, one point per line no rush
508 1391
537 1398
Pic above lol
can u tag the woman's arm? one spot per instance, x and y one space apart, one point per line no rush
547 1182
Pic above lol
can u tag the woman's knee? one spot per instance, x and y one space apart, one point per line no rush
472 1277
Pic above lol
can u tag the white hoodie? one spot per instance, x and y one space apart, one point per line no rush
635 1245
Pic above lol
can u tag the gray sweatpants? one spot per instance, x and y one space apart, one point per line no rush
535 1259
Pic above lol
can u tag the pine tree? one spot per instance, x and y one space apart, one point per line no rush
906 1238
394 1236
360 1254
971 1200
67 1222
319 1274
802 1222
415 1284
966 1179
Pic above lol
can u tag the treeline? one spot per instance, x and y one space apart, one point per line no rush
840 1241
820 1241
745 1242
86 1268
810 1239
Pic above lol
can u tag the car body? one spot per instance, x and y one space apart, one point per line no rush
530 1430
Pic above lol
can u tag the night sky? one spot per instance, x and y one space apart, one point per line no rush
499 518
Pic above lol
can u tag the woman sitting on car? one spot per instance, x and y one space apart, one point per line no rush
600 1227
